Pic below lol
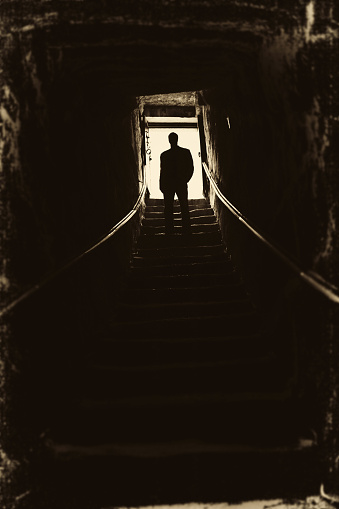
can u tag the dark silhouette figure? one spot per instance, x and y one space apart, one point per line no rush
176 169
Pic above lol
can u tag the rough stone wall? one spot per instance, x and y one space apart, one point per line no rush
275 158
19 88
71 156
70 169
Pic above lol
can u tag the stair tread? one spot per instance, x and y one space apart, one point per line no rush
207 258
152 223
218 247
181 309
170 295
129 351
193 265
248 314
193 365
178 280
155 201
202 236
158 212
163 474
195 228
180 276
230 376
209 218
229 417
189 400
159 203
160 305
178 240
231 323
202 289
174 448
182 340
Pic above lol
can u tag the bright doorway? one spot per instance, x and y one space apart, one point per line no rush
157 142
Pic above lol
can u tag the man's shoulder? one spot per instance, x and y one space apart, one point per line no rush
165 153
185 151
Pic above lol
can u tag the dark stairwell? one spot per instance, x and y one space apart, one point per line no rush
185 392
76 82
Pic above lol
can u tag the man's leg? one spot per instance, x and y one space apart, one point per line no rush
182 194
169 199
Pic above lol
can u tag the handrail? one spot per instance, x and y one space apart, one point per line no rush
311 278
74 260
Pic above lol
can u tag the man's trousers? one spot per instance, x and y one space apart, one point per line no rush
182 194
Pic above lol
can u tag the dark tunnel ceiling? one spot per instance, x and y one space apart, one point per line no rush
151 60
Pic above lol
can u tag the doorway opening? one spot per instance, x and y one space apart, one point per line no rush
157 132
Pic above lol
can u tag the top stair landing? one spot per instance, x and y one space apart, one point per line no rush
195 202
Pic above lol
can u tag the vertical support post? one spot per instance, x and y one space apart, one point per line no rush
203 152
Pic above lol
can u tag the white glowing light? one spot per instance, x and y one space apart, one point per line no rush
188 138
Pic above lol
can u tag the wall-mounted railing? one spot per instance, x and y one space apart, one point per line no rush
311 278
32 290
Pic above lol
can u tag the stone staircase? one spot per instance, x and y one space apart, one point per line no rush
185 395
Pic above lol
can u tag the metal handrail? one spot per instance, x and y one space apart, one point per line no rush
74 260
311 278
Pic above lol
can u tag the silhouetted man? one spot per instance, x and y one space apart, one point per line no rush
176 169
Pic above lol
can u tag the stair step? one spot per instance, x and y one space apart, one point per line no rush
240 323
168 449
158 212
195 220
229 377
253 418
182 280
192 201
180 472
180 376
195 228
163 261
215 292
192 205
182 309
180 250
137 351
173 269
177 240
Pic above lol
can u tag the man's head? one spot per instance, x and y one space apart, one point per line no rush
173 139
